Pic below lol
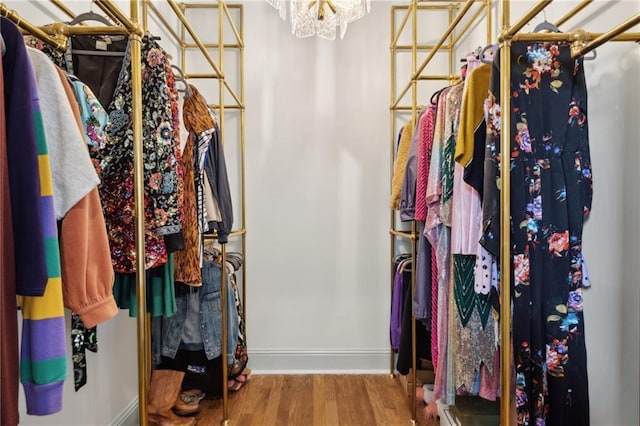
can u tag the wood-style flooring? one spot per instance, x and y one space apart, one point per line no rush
315 400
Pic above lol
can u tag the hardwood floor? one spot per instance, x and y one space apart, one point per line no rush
315 400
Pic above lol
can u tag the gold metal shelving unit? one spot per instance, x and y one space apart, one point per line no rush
582 43
461 15
188 39
55 35
130 25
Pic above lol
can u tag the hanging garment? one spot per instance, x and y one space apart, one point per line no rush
200 120
42 356
87 272
400 164
94 117
474 344
161 295
551 192
471 114
197 121
22 158
423 338
424 279
397 300
422 298
71 168
437 229
425 145
241 355
82 339
198 317
109 77
188 260
452 114
9 336
408 191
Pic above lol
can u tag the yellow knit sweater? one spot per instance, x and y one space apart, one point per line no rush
472 111
400 164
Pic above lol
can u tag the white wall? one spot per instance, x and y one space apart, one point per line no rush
317 132
612 236
317 138
303 160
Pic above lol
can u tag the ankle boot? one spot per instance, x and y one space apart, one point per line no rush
164 389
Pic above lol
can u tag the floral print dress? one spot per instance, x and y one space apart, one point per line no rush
551 192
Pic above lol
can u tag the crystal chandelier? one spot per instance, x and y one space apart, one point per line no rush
321 17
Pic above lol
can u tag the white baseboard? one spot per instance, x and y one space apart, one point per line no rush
129 416
319 361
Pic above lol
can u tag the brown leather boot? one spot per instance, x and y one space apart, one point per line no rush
183 408
164 389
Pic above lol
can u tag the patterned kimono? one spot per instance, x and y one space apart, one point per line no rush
551 191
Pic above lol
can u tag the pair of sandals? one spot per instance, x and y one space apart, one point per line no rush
235 384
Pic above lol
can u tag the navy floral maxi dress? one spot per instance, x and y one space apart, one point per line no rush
551 191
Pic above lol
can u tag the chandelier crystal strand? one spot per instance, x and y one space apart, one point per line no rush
281 6
321 17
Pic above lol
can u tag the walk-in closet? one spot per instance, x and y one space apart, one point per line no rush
318 195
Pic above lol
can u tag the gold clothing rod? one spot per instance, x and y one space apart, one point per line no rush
109 7
63 8
603 38
575 36
59 43
58 28
570 14
162 20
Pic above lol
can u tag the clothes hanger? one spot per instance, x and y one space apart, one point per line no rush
494 50
546 25
434 97
180 77
91 16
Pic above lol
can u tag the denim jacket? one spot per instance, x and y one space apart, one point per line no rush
210 317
